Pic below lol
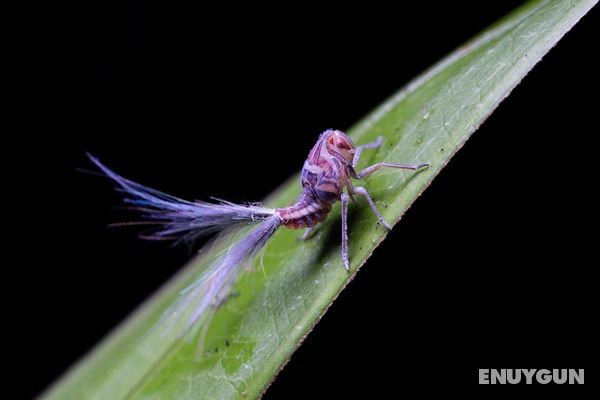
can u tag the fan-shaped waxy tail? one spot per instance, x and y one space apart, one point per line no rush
180 219
211 288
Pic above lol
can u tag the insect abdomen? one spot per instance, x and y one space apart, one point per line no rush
306 213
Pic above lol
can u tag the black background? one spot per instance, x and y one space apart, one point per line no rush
490 268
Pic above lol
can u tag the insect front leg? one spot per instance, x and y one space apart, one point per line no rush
359 150
345 198
375 167
363 192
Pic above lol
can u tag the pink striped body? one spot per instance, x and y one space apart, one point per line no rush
325 173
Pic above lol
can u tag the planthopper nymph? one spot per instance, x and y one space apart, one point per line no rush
326 178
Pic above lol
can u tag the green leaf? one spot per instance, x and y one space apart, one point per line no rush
254 333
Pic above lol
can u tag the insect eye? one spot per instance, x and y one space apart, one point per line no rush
342 144
330 140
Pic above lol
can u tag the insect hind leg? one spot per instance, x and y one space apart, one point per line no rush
309 233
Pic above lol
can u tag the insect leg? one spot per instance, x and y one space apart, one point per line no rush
363 192
345 199
375 167
359 149
350 189
308 233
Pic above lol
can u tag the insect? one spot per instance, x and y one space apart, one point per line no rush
326 178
